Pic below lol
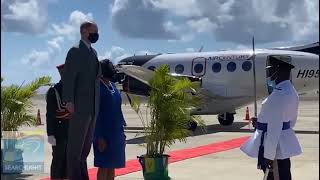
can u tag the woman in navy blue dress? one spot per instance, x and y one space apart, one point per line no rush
109 137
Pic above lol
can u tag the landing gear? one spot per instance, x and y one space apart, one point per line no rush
226 119
192 126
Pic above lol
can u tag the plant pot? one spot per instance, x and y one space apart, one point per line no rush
154 168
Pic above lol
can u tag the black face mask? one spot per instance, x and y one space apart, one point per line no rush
93 37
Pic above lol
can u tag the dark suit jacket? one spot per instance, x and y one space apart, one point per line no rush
80 80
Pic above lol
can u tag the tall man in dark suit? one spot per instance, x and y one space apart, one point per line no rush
81 93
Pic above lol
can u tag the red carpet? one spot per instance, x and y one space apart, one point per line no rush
179 155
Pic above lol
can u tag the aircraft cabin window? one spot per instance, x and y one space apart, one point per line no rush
231 67
216 67
152 68
198 68
179 69
246 66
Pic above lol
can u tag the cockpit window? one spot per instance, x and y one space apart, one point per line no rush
152 68
231 67
246 66
216 67
198 68
179 69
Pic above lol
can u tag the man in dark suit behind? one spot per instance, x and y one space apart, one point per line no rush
81 94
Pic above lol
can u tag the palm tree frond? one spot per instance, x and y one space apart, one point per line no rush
15 104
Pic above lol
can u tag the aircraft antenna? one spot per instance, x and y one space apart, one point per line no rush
254 77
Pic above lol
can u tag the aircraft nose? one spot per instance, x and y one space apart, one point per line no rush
129 84
136 60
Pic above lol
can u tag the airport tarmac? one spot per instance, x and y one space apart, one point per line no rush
227 165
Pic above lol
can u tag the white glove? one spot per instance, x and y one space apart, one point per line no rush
52 140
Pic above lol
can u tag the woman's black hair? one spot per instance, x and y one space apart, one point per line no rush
107 68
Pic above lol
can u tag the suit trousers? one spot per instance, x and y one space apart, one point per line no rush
80 137
284 172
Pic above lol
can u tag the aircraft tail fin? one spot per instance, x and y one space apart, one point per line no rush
310 48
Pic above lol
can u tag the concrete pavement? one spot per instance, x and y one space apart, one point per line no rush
231 164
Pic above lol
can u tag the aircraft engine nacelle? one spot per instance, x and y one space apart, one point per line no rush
191 78
118 78
134 86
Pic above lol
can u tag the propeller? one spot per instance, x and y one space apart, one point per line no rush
254 77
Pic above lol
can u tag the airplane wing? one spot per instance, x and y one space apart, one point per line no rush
142 74
145 75
210 95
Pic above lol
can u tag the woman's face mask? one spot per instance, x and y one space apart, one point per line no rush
271 84
271 78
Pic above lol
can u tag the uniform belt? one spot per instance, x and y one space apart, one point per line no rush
264 127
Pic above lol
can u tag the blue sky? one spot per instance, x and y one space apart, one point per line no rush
36 34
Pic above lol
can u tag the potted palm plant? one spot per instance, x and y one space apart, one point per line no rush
15 112
165 119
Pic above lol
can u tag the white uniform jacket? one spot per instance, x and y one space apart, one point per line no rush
280 106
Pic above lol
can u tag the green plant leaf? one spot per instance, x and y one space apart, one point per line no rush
168 108
16 104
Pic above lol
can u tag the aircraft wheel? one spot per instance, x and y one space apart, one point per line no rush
226 122
192 126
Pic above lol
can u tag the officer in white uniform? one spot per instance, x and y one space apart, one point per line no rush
274 140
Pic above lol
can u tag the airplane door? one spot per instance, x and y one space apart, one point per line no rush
199 66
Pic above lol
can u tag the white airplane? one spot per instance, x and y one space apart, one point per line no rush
226 77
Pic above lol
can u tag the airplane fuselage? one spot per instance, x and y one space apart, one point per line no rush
228 75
